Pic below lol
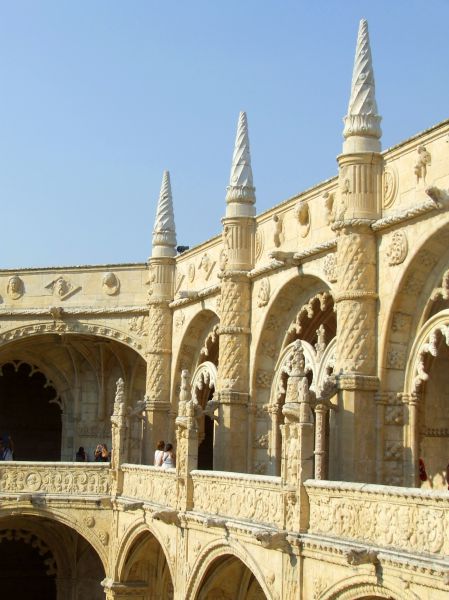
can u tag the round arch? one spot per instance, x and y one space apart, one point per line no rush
214 551
424 269
70 556
84 368
361 587
200 339
130 536
143 557
100 330
60 516
425 385
302 306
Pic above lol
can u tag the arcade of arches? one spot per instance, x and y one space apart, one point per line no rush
298 362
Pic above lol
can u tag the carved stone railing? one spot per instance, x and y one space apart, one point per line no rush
393 517
255 498
150 483
88 479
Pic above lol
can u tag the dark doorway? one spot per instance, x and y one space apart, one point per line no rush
206 447
24 572
27 414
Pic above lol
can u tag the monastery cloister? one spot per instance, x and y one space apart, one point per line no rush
299 362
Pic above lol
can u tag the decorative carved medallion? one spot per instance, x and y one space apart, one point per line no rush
15 288
110 284
264 293
302 213
62 288
398 248
390 186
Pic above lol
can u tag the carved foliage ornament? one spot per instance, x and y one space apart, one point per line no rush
330 267
397 249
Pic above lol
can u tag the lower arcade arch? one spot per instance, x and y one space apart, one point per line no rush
228 578
145 570
226 573
43 559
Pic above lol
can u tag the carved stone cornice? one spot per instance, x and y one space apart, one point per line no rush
352 224
76 311
233 275
318 249
190 299
406 215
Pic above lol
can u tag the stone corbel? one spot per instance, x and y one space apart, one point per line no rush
168 516
285 258
436 194
130 506
183 294
214 522
361 556
272 540
211 408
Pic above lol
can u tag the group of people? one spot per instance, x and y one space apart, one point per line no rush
164 456
101 454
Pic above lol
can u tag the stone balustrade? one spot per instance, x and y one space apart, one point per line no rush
144 482
393 517
55 478
255 498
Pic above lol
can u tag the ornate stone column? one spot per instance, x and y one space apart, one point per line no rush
119 423
297 442
186 442
159 348
320 452
235 310
360 176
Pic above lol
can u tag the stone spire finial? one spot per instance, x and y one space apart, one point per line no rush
362 123
241 197
164 232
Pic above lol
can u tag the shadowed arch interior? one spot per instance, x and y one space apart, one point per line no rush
29 412
228 578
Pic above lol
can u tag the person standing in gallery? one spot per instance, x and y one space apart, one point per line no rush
159 454
169 458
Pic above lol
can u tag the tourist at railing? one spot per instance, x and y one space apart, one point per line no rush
159 454
169 457
101 453
81 455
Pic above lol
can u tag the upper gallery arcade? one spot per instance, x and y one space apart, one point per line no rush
310 342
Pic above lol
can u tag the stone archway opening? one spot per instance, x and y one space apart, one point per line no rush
46 560
228 578
30 412
146 572
204 383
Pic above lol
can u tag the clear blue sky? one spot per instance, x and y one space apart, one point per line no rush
99 97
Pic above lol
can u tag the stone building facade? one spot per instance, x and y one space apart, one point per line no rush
299 361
